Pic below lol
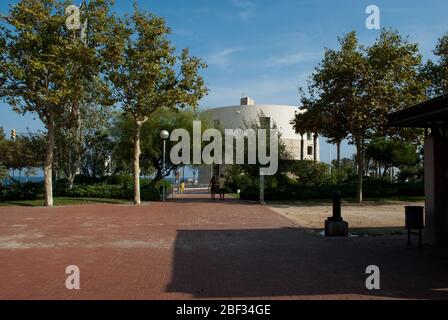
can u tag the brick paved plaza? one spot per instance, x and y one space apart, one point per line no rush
194 248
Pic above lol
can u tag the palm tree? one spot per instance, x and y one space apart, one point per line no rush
299 126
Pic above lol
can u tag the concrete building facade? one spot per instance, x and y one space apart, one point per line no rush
248 113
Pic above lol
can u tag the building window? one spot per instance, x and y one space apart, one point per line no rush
310 136
265 123
310 151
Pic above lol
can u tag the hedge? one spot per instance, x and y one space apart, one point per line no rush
371 189
111 188
25 191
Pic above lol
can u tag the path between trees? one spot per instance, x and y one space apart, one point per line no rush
194 248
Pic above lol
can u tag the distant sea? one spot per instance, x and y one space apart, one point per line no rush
40 179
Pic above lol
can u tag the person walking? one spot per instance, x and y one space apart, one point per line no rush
222 187
182 187
212 188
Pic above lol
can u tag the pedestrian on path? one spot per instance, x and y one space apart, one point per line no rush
222 187
213 187
182 187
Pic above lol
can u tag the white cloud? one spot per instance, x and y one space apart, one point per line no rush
246 8
221 58
291 59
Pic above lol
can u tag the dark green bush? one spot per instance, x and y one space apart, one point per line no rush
372 189
103 190
24 191
239 182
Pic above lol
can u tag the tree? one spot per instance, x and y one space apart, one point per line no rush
309 173
25 152
299 125
389 153
151 159
309 121
96 160
83 146
45 68
358 87
147 75
3 170
437 72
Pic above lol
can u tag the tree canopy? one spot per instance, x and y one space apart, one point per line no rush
356 87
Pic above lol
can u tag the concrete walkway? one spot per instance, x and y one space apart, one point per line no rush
193 248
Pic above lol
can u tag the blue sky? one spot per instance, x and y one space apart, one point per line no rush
266 49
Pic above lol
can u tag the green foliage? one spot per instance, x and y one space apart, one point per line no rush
26 191
356 87
151 159
143 71
388 153
147 75
308 173
437 72
47 69
3 173
115 187
96 160
372 189
24 152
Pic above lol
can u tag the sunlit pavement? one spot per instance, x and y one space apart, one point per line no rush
192 247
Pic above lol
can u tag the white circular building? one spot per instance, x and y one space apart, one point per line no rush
248 113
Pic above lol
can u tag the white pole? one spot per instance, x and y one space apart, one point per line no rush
331 167
163 174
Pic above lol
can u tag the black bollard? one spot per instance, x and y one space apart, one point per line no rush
335 226
337 215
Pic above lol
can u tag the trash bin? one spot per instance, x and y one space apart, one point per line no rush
414 218
415 221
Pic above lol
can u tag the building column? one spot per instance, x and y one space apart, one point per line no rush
436 188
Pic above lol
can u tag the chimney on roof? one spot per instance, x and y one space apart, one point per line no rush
246 101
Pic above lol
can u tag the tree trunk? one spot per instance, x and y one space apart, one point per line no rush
302 149
315 146
137 153
48 167
73 165
71 180
338 148
360 160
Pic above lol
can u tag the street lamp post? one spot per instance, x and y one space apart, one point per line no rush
164 135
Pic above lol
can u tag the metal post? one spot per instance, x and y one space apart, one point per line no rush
337 212
164 150
331 162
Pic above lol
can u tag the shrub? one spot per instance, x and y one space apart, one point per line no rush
239 182
25 191
372 189
122 189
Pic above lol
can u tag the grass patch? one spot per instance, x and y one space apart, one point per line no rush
61 201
